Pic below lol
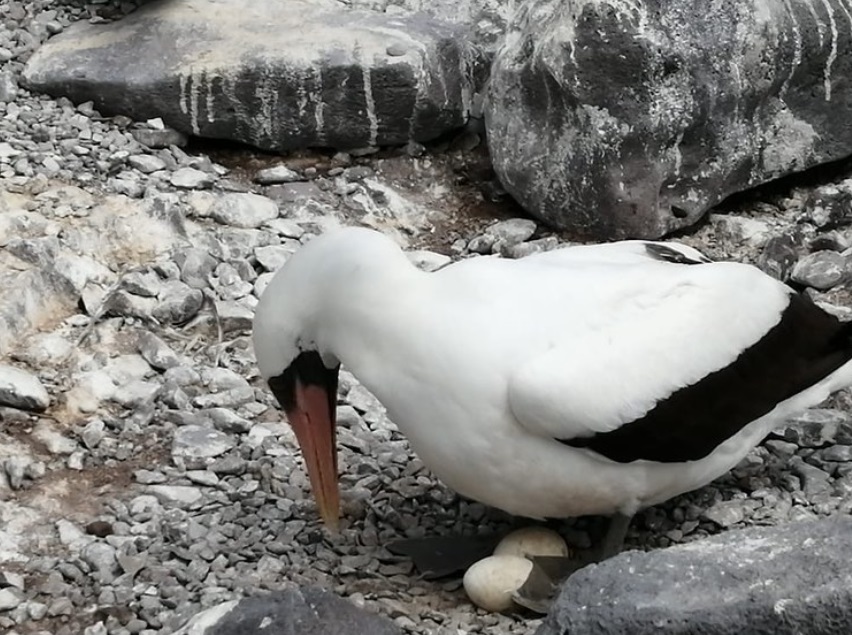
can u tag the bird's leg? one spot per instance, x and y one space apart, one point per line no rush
613 542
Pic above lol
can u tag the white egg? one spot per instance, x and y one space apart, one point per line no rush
532 541
491 582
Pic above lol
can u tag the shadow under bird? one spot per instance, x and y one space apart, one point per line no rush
585 380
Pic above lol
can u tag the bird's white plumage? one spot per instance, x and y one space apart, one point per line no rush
485 363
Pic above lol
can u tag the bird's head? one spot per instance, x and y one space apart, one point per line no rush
307 309
301 375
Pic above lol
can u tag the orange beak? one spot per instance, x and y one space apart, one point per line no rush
307 391
313 421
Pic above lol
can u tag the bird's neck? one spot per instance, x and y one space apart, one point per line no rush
369 312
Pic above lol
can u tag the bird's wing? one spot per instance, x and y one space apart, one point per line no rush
623 252
677 363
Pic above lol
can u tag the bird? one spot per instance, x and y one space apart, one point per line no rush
587 380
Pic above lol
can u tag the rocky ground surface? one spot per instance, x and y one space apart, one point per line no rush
144 471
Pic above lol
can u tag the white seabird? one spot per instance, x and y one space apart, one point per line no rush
586 380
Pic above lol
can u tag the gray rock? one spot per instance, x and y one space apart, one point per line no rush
20 389
277 174
196 266
196 442
234 316
156 352
178 303
101 557
302 611
156 139
273 257
821 270
144 283
314 75
146 163
180 495
93 433
687 130
818 427
725 513
10 598
191 179
248 211
512 231
785 580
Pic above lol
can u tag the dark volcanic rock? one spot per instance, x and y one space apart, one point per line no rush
774 581
618 119
306 611
278 75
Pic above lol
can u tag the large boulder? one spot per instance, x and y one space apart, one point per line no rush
279 74
623 119
785 580
303 611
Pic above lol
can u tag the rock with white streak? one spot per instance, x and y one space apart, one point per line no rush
619 119
277 76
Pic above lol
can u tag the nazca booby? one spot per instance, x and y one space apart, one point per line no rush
585 380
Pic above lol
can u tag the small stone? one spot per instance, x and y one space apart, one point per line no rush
93 433
181 495
248 211
11 579
200 442
99 528
196 267
821 270
228 421
10 598
20 389
146 163
725 513
838 453
203 477
277 174
285 227
190 179
273 257
149 477
156 352
37 610
178 303
158 139
234 316
60 606
101 557
512 231
144 283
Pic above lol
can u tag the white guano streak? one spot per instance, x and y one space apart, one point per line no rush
189 97
797 50
819 25
319 106
371 104
833 53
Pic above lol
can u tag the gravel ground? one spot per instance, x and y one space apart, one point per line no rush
160 479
